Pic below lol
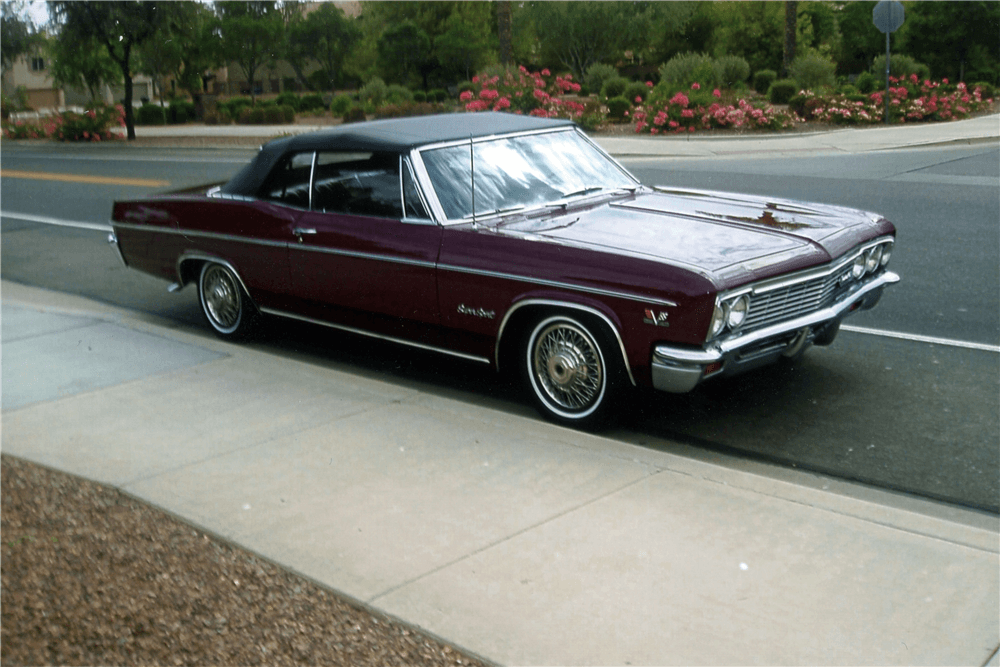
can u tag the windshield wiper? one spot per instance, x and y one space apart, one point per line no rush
584 191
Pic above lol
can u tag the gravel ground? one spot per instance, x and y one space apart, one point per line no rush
91 576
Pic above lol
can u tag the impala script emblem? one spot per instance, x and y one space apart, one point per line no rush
476 312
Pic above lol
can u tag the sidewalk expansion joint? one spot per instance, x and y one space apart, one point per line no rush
876 522
516 533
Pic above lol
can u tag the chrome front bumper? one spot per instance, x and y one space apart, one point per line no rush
679 369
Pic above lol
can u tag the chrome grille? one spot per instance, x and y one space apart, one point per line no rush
791 301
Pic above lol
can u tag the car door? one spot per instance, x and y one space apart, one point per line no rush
365 254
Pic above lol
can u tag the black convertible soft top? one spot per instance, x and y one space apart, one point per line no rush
397 135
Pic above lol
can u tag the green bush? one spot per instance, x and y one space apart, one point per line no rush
233 106
150 114
408 109
614 87
340 104
687 68
866 83
437 95
985 89
354 114
466 86
180 112
636 89
618 107
812 71
763 79
396 94
251 116
597 74
218 116
781 91
900 65
419 96
311 102
373 93
291 99
731 71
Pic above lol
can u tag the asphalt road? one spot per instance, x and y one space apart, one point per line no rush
918 414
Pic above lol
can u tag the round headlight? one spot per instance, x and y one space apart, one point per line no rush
738 310
886 253
858 268
872 258
718 321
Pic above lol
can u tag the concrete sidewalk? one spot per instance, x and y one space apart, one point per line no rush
518 540
981 129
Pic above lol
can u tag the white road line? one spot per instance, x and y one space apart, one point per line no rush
861 330
923 339
59 222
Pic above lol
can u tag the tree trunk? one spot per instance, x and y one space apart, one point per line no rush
129 112
791 19
505 32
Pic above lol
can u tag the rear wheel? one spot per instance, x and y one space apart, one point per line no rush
572 371
224 303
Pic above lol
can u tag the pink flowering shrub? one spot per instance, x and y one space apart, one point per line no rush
523 92
910 100
673 111
92 125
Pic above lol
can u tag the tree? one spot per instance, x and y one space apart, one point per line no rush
791 18
118 26
325 36
752 30
504 32
83 64
251 36
463 48
404 52
579 34
17 33
958 40
860 40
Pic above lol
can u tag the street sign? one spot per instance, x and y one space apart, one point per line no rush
888 16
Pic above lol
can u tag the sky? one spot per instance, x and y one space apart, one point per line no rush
38 12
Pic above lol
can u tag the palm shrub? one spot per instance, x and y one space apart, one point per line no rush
687 68
763 79
731 71
781 91
812 71
597 74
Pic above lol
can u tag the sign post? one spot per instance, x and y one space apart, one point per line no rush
887 16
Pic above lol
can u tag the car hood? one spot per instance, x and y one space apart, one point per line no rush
719 234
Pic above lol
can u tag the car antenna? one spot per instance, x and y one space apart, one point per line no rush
472 174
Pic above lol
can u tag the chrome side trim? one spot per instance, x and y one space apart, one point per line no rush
561 285
655 301
370 334
565 305
113 242
199 234
194 255
365 255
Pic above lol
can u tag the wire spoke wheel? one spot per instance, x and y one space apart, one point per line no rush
223 301
566 370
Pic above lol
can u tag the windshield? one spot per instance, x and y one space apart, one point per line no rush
519 172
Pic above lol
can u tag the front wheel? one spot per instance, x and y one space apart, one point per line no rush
571 371
224 303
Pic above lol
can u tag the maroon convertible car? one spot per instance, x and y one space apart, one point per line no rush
515 242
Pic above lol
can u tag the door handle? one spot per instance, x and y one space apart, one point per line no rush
300 231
